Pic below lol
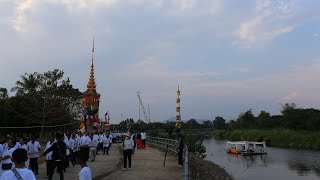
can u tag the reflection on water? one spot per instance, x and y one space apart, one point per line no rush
278 164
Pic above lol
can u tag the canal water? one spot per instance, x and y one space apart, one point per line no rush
279 163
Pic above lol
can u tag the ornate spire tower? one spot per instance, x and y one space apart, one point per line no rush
90 102
178 108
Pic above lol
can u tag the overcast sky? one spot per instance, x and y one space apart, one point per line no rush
227 56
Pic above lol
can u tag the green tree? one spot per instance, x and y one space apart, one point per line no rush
207 124
192 124
219 123
52 99
263 119
247 120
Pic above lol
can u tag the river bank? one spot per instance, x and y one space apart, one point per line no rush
276 138
202 169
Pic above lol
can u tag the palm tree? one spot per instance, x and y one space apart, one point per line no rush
29 84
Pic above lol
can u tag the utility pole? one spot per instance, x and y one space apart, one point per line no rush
138 93
149 113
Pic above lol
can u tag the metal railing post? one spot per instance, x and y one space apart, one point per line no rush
172 146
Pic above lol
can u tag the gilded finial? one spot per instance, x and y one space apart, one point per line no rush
91 83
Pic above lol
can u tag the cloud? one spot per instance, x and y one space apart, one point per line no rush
271 19
291 97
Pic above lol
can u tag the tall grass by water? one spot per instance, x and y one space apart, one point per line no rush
276 138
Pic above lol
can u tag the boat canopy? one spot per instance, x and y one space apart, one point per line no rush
245 144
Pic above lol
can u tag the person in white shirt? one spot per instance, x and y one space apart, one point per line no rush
7 163
143 139
77 140
33 150
19 156
23 142
85 172
71 149
105 142
93 148
96 138
85 140
127 151
49 156
110 138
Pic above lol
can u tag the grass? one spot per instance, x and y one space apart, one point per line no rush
276 138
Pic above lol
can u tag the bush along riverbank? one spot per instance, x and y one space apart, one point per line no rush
277 138
201 169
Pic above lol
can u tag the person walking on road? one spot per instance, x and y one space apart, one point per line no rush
33 150
127 151
49 156
85 172
143 139
58 150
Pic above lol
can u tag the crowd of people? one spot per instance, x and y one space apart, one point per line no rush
19 156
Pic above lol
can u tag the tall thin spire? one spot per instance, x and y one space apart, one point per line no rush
91 83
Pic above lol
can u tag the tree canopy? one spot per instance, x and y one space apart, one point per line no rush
40 99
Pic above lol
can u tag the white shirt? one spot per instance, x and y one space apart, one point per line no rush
128 144
105 141
24 147
5 147
85 140
25 174
77 143
8 153
110 137
1 150
17 145
96 137
93 144
143 135
71 143
33 149
48 145
85 174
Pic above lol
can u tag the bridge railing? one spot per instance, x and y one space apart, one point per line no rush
173 147
163 142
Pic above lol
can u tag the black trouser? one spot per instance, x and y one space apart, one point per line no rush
127 155
180 153
106 150
49 166
59 165
34 165
144 143
66 162
72 157
75 156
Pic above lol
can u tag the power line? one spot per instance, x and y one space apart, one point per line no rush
30 127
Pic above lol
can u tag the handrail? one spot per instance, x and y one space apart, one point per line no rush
173 147
163 143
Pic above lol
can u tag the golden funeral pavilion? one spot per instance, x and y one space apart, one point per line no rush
90 103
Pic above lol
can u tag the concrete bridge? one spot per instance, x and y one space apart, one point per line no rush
146 164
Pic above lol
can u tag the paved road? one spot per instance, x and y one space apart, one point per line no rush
146 164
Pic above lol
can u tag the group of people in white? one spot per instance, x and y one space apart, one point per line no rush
16 157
